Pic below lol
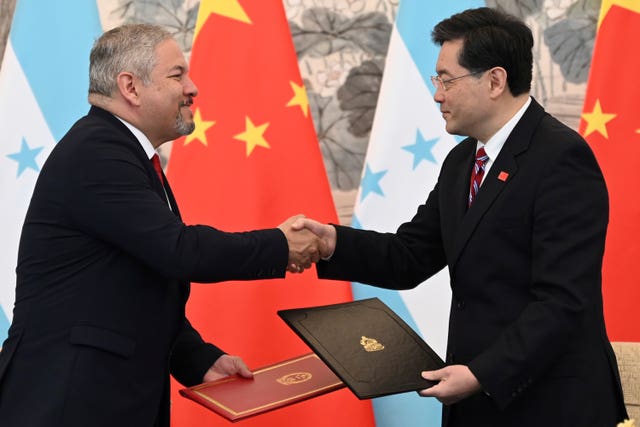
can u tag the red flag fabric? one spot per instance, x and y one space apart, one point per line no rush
253 161
611 126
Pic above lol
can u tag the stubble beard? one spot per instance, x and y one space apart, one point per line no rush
182 126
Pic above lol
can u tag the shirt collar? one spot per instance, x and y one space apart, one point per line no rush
495 143
141 137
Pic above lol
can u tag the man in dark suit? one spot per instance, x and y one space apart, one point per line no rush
519 216
105 262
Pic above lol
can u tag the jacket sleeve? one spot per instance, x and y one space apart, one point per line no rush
191 357
400 260
115 201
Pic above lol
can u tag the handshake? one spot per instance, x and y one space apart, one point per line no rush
309 241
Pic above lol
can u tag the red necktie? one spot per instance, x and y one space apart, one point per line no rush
477 174
157 166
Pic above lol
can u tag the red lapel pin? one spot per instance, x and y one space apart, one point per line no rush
503 176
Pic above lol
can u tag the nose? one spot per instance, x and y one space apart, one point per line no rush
190 87
438 95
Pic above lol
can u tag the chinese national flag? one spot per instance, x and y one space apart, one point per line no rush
252 162
611 125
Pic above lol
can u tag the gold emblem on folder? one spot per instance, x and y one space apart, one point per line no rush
295 378
371 344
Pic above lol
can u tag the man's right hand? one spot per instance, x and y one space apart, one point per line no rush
325 232
303 245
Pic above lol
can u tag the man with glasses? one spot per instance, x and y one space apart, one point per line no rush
519 216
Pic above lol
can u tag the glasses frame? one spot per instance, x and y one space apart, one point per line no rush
439 82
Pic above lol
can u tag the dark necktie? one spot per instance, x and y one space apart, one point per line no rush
157 166
477 173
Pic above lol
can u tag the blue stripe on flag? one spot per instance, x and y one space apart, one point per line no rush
52 40
4 326
415 21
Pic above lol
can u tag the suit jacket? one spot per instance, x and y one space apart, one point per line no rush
103 275
525 268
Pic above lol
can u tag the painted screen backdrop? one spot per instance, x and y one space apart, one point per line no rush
253 161
611 126
407 146
43 91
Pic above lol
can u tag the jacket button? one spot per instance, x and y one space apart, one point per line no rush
460 304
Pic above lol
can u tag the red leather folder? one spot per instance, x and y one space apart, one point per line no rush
272 387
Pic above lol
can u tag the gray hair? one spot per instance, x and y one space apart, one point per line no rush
129 48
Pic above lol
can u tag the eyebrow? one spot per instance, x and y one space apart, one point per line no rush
443 71
179 68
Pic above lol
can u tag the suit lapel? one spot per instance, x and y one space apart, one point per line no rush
501 174
455 193
172 199
183 287
138 151
166 193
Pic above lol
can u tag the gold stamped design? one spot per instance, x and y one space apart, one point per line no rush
371 344
295 378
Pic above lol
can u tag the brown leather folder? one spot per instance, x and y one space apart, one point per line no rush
367 345
272 387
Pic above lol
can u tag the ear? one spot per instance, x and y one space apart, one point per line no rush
128 87
498 81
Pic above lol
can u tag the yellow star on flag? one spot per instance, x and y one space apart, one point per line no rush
299 98
597 121
201 128
632 5
253 136
230 8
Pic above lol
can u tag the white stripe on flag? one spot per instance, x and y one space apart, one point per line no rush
408 144
43 90
24 131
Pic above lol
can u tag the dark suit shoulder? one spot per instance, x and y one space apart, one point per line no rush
461 152
94 138
553 139
550 127
96 127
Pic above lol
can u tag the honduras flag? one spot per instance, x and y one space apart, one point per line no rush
43 90
407 146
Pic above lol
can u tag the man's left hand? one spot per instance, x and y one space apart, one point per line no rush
227 365
455 383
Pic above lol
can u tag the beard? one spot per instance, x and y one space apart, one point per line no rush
182 126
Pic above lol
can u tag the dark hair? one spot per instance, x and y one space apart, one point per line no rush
491 39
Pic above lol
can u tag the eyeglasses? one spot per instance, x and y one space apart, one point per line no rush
438 82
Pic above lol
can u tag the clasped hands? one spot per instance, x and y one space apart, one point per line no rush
309 241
